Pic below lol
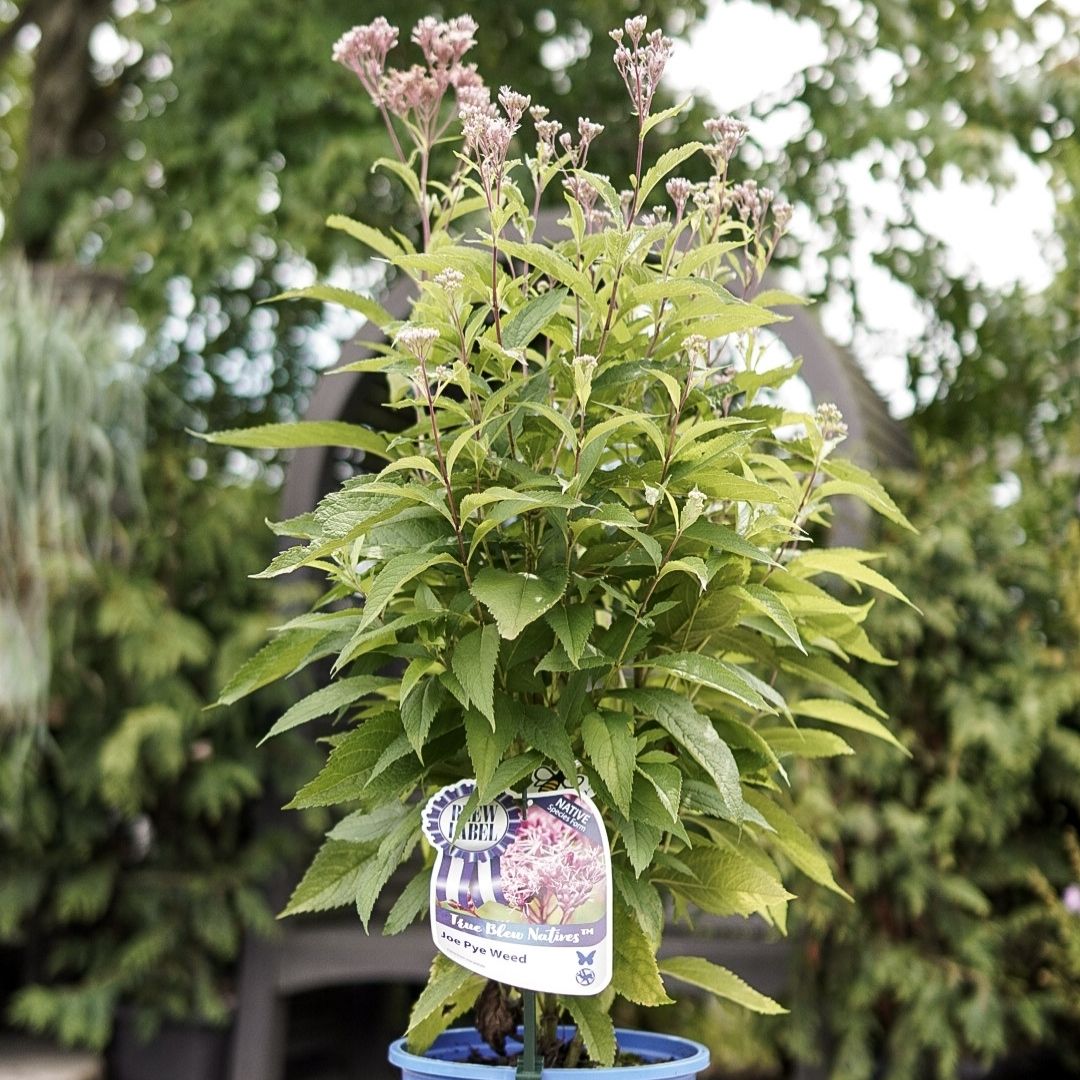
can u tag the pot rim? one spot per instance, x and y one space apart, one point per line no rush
695 1059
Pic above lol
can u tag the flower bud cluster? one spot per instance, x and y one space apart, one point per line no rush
641 63
364 49
417 340
450 280
830 422
679 190
727 135
415 93
488 135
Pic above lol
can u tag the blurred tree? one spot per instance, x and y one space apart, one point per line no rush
911 92
229 135
950 952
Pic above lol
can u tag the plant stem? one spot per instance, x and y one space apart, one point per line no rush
456 518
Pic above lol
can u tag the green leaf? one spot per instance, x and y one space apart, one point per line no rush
396 573
528 320
695 733
722 882
395 848
849 564
545 730
853 480
772 607
665 163
635 976
511 772
719 981
302 433
725 539
804 742
374 239
794 842
516 600
410 905
326 700
820 669
716 674
641 841
369 826
844 714
643 899
609 743
557 267
332 878
665 114
273 661
595 1025
473 661
485 749
418 711
450 991
572 623
331 294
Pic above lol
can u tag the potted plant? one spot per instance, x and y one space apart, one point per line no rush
587 558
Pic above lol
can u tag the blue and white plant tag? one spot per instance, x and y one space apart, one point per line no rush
523 894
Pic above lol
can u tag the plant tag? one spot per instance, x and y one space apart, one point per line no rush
522 895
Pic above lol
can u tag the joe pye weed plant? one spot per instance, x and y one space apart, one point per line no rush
590 545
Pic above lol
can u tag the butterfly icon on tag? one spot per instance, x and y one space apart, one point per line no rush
586 958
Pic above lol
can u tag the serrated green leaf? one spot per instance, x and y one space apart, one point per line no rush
844 714
410 905
850 479
516 600
595 1025
302 433
528 320
772 607
805 742
716 674
694 732
374 239
326 700
332 878
273 661
722 882
609 744
485 745
635 975
444 998
395 848
473 661
849 564
725 539
794 842
572 623
369 826
719 981
331 294
665 163
643 899
665 114
396 573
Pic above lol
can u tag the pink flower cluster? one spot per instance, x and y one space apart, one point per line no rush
417 90
641 63
550 870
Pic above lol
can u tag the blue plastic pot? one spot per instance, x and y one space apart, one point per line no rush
665 1057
